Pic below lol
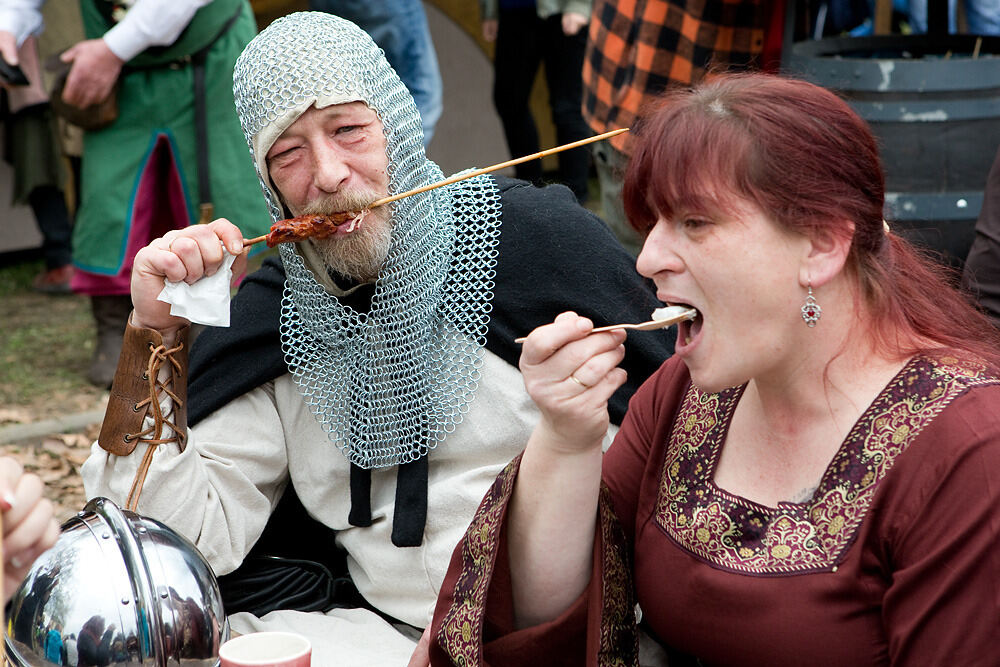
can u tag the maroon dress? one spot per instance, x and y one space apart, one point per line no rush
895 560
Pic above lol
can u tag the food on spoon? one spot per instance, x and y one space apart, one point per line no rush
673 312
312 226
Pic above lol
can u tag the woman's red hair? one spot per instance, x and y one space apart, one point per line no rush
801 155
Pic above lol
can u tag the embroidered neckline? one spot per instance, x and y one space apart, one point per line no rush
737 534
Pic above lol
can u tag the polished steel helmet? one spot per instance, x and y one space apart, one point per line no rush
117 589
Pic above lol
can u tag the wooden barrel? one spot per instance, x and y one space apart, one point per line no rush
266 11
934 104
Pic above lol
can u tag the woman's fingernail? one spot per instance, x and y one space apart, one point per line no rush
7 498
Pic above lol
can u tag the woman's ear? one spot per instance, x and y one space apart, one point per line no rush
826 255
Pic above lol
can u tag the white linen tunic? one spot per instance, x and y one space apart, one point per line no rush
220 491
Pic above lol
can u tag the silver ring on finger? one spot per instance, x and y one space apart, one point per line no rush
579 381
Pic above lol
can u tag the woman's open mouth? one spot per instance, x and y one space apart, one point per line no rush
688 330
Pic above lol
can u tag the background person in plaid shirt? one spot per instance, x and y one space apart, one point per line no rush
638 48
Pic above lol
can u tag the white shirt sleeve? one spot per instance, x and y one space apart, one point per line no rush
22 18
218 492
149 23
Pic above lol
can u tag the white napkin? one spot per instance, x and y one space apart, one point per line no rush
204 302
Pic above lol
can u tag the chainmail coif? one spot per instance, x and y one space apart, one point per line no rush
389 384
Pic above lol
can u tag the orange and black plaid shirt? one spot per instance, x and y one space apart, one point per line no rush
636 48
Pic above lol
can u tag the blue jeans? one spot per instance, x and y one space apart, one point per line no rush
983 16
400 29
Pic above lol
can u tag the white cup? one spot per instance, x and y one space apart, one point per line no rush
266 649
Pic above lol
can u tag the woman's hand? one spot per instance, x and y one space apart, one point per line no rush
421 655
29 527
181 255
570 375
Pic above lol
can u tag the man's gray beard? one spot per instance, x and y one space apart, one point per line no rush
360 254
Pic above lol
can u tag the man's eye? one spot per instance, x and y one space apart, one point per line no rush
695 223
347 128
284 155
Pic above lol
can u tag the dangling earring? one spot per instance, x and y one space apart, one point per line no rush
811 311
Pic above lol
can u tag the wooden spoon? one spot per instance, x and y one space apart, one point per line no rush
662 317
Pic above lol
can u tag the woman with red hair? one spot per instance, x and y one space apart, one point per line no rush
812 479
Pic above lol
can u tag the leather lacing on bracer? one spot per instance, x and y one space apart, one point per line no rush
158 355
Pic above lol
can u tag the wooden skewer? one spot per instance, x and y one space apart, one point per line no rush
477 172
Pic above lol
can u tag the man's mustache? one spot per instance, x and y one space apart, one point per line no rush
342 201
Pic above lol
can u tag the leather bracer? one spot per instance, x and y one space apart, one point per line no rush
137 391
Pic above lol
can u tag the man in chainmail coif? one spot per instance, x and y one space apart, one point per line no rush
392 343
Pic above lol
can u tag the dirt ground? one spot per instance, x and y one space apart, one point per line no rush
45 347
46 343
57 458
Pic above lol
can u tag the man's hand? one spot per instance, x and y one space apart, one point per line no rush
29 528
572 23
8 47
490 30
181 255
93 75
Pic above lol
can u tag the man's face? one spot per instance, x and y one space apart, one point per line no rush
333 159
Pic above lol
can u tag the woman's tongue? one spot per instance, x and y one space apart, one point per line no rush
690 329
695 326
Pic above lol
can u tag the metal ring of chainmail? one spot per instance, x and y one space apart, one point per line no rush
390 384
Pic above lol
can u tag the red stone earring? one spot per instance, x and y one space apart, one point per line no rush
811 311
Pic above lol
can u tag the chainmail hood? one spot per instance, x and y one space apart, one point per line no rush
387 383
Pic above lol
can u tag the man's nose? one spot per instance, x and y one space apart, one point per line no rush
330 170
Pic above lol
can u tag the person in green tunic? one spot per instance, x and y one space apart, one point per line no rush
174 155
40 176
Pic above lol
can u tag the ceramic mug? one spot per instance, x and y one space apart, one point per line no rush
266 649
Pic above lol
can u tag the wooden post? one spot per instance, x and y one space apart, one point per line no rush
883 17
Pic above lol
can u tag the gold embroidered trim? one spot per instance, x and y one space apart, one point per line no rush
619 637
461 633
736 534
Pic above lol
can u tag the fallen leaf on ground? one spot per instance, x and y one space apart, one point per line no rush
15 415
